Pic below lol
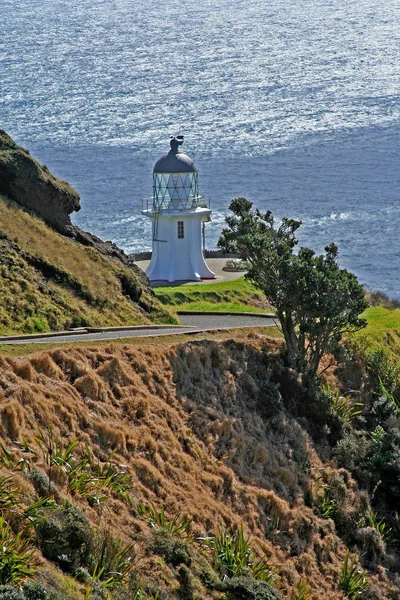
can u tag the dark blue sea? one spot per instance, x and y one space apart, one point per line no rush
294 105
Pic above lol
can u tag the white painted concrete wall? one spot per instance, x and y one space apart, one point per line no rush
175 259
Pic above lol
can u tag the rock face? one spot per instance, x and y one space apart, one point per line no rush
31 185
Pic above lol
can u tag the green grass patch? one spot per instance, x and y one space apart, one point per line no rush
233 296
383 329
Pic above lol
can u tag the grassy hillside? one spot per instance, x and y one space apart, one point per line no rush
235 296
49 282
181 448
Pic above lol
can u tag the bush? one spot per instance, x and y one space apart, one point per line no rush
35 591
175 552
65 538
235 265
383 369
247 589
40 482
270 400
372 546
186 583
131 286
177 526
7 592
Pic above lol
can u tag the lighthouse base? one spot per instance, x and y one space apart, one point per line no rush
177 246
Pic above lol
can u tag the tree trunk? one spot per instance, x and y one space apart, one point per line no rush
289 333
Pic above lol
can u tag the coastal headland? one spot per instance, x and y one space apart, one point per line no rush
193 468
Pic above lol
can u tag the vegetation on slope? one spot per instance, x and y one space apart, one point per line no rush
49 282
233 296
193 454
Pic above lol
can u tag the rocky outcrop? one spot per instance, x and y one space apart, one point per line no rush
31 185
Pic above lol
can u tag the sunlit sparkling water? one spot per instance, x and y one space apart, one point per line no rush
293 105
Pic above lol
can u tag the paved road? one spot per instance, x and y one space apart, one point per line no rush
191 324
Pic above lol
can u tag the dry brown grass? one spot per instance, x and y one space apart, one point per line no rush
187 420
34 237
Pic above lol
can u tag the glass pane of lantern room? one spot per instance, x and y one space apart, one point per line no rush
177 188
160 190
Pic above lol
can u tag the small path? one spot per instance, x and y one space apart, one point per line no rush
215 264
191 323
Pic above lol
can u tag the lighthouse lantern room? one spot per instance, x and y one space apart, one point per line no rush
178 215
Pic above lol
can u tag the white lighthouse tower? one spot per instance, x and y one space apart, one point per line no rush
178 216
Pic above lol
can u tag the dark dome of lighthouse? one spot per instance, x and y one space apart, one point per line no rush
175 161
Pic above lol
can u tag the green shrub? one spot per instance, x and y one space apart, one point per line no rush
342 407
65 537
53 449
9 494
371 519
247 589
43 486
174 551
7 592
235 265
35 591
352 451
270 400
186 588
374 457
327 506
383 369
384 407
371 544
130 286
82 575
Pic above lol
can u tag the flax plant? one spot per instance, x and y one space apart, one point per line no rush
178 526
353 581
15 556
234 557
112 562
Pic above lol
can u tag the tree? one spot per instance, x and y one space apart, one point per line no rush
316 302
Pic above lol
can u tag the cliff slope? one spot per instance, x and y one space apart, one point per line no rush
199 431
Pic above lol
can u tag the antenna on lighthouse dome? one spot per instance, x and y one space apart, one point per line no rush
175 142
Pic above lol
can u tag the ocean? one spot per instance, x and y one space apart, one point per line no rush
294 105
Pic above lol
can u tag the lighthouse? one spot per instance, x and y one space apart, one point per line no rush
178 214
